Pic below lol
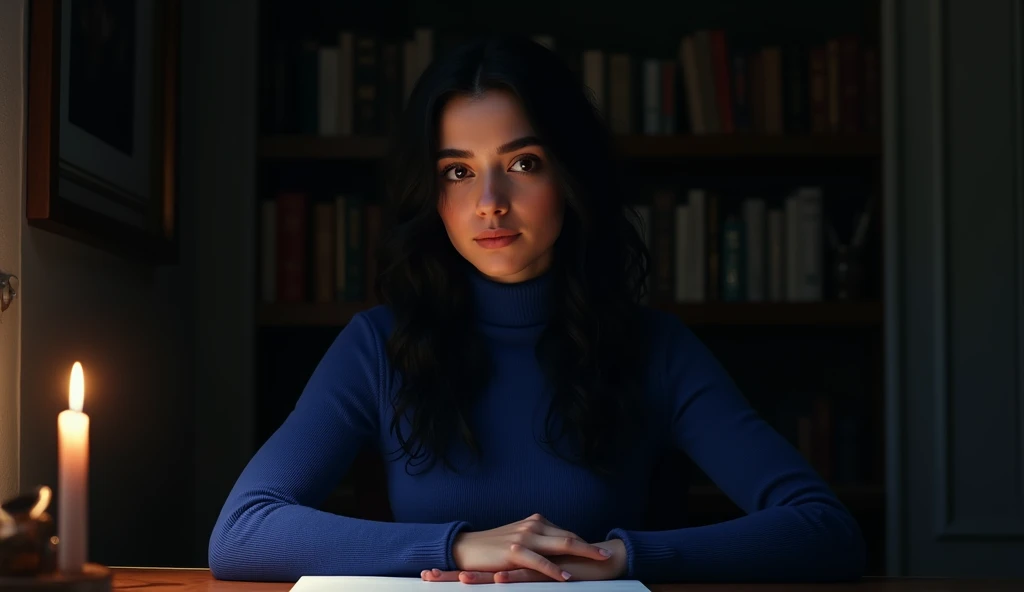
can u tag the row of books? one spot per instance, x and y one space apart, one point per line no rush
355 86
320 251
713 84
702 252
832 87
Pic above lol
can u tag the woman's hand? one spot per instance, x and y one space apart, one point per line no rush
581 568
526 544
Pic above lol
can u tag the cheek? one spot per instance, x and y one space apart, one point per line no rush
548 210
454 215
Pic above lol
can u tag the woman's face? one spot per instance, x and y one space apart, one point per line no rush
499 199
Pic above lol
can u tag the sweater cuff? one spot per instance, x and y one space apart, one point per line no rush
449 556
645 559
433 547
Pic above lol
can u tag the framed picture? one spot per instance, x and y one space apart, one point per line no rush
102 90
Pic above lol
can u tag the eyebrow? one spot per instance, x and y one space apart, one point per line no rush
503 149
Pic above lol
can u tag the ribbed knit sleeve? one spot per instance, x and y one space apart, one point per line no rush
269 529
795 529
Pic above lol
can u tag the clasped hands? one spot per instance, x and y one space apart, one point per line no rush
531 550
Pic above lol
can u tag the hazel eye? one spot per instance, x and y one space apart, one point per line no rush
456 173
526 164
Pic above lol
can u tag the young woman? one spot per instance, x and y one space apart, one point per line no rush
518 392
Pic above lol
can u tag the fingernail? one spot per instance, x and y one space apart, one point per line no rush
435 571
606 552
566 575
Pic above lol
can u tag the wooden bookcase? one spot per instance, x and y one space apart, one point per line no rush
816 364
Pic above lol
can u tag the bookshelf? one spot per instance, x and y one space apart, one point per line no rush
740 314
810 363
861 146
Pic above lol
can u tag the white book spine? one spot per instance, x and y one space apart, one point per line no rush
776 256
328 91
811 244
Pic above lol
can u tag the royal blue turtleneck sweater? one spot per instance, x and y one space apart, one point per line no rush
794 528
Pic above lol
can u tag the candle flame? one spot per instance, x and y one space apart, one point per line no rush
76 394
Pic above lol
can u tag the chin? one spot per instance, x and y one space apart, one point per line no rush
500 272
507 271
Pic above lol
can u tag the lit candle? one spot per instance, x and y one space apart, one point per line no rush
73 464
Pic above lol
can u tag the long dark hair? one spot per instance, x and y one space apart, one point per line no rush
592 351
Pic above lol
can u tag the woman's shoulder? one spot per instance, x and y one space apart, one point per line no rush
379 316
375 323
662 325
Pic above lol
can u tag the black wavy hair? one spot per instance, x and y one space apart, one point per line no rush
593 349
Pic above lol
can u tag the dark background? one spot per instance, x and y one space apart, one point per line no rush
188 369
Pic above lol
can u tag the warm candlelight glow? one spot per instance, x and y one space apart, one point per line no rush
76 394
73 478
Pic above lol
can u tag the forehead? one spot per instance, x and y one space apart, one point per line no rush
482 122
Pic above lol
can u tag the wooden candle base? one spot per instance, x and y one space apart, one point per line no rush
94 578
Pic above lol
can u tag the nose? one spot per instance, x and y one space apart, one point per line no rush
493 199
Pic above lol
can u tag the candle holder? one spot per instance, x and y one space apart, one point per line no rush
28 550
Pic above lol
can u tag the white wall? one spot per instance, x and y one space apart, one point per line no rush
12 132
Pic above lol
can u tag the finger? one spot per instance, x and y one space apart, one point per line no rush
476 577
437 575
524 557
554 531
519 575
564 545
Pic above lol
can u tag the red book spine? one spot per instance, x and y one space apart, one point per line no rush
723 93
291 246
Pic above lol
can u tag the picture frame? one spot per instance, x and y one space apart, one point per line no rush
102 124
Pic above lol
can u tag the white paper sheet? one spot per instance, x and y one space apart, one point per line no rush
379 584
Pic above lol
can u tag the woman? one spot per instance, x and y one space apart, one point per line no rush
534 393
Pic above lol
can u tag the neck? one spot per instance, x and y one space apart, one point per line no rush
520 304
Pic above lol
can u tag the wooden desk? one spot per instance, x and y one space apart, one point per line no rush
200 580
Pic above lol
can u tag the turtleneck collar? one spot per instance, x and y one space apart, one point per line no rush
521 304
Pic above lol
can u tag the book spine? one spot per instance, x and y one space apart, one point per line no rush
355 252
366 119
732 260
291 247
323 252
664 208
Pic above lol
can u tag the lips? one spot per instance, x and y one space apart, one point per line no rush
495 233
496 238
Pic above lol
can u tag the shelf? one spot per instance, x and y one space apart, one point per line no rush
793 314
750 145
809 314
322 147
299 147
708 499
312 314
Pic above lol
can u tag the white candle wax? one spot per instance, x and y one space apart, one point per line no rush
73 467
